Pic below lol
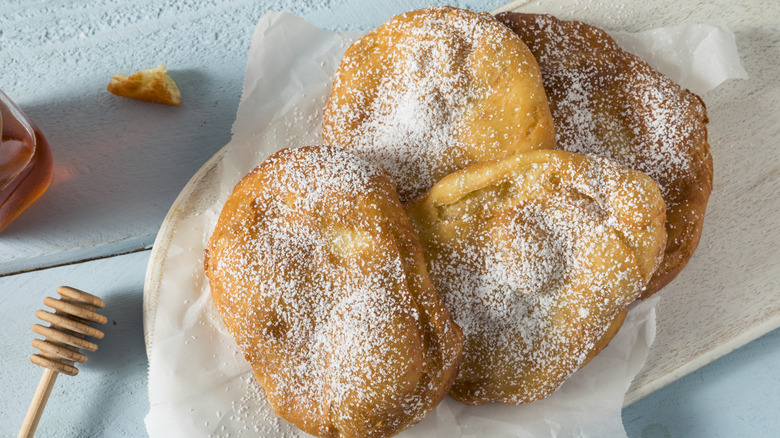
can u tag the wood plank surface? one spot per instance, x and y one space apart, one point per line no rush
108 395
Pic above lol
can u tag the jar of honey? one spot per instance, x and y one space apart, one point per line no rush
25 162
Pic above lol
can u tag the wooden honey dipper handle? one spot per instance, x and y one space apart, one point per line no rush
68 325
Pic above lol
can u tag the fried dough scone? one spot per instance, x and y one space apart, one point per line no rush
608 102
434 90
319 276
537 256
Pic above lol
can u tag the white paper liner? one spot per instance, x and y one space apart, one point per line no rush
697 56
199 383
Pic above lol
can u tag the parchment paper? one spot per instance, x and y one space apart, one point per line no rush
199 383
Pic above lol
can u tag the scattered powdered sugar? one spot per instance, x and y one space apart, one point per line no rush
419 103
270 424
535 281
404 108
311 284
611 103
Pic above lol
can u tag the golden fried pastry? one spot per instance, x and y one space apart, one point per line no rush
609 102
151 85
537 256
434 90
320 278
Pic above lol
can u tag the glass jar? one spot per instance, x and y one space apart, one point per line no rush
25 162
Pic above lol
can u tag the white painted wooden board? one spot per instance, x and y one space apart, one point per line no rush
107 398
729 294
119 163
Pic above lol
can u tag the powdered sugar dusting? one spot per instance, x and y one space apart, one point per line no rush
307 277
407 110
535 278
608 102
419 104
611 103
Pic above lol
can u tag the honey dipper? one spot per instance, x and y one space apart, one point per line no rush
64 337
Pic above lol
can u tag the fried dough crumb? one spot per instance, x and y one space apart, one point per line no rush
150 85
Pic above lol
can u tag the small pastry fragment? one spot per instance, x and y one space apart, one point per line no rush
434 90
609 102
150 85
537 256
319 276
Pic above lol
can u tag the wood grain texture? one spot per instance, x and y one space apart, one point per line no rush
108 396
736 396
35 411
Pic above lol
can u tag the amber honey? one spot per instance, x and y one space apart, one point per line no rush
25 162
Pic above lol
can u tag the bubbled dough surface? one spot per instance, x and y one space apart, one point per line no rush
609 102
318 275
432 91
536 257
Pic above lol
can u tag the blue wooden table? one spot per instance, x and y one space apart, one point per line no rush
120 164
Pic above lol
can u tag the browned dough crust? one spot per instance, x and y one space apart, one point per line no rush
537 256
434 90
319 276
609 102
